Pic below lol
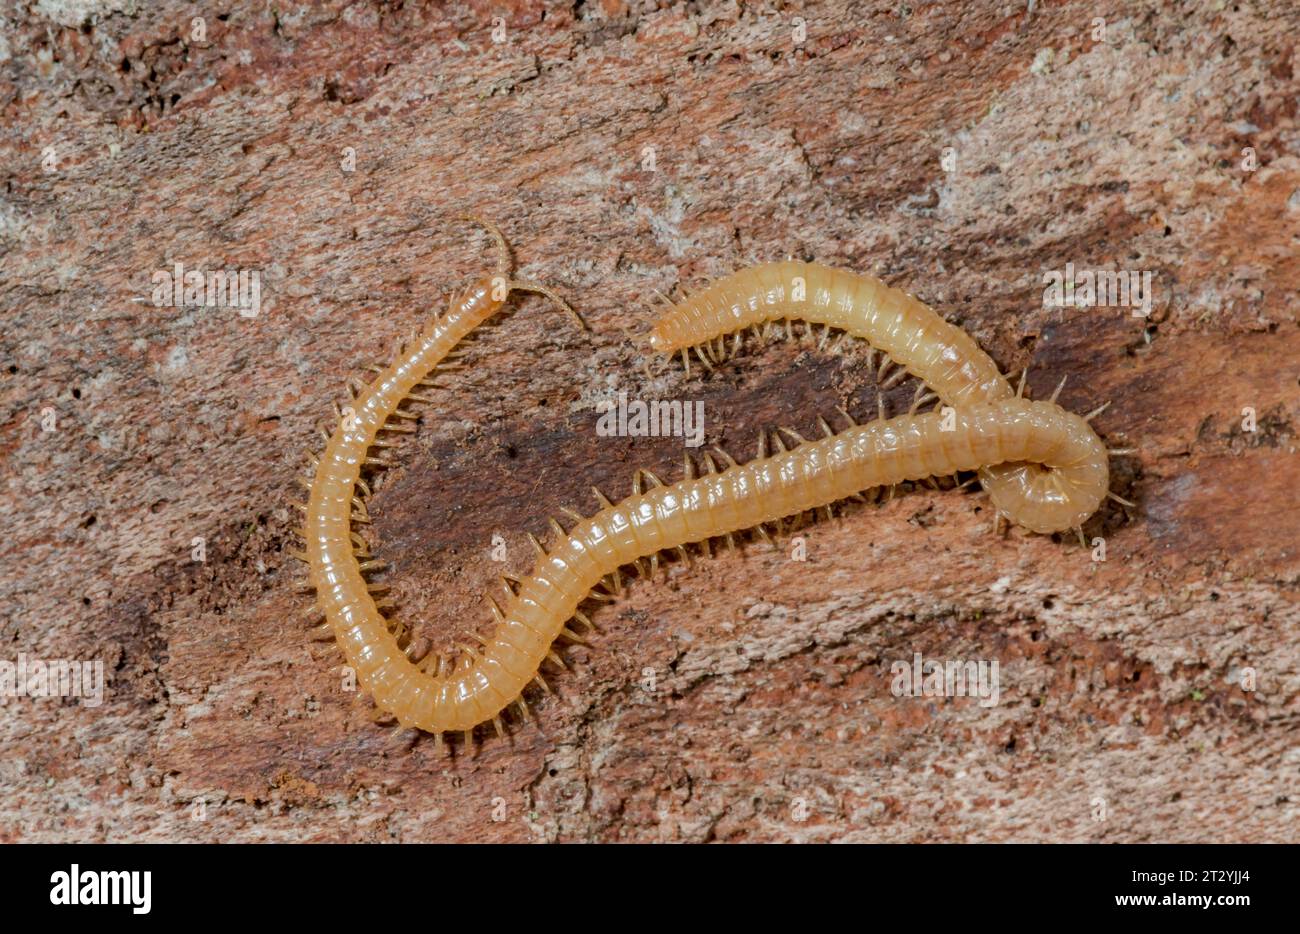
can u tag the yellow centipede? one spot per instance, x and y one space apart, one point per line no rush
441 696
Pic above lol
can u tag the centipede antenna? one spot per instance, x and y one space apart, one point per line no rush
505 262
522 286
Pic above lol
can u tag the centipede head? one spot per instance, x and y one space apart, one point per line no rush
667 335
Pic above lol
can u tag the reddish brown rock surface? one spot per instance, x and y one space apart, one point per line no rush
131 142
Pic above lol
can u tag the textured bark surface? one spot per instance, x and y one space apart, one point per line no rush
129 144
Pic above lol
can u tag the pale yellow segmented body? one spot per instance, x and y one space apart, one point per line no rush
941 355
989 427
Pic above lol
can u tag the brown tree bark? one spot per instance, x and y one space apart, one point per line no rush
958 150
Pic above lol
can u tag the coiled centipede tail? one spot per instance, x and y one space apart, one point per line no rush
907 331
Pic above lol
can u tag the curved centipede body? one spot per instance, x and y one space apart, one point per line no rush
943 356
438 696
335 553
